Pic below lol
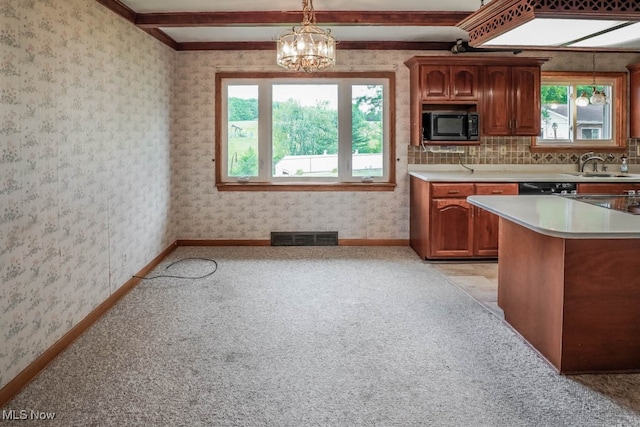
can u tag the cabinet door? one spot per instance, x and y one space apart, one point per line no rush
434 81
634 104
496 101
485 224
464 83
525 106
451 228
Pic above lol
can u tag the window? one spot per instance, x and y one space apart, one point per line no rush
325 131
566 125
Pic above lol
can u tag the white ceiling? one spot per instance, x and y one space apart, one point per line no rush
358 32
145 6
342 32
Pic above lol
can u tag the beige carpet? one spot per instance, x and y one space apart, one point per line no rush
334 336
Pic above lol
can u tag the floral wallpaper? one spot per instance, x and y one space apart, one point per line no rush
85 166
106 148
204 213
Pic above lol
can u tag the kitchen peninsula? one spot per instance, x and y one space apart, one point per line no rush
568 280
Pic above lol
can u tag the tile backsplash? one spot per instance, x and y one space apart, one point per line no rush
510 150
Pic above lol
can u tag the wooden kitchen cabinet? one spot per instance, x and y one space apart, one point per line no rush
504 90
485 224
449 83
607 188
451 226
444 225
634 100
511 101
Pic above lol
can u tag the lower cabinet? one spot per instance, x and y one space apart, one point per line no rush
445 225
607 188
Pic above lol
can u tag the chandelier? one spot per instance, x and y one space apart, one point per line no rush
308 48
598 97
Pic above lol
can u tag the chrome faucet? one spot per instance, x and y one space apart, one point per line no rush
588 157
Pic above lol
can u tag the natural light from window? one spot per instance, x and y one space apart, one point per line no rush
305 130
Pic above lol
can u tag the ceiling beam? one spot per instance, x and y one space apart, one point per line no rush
119 8
266 18
374 45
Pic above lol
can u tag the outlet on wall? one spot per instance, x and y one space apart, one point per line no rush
503 150
638 150
472 151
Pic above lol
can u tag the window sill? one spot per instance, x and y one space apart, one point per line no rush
341 186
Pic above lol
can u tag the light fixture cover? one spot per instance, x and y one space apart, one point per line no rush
582 100
308 47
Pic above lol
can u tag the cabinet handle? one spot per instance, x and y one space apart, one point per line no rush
496 191
453 191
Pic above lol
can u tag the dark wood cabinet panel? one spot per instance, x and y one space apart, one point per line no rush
634 101
485 224
444 225
434 82
606 188
525 106
496 106
464 83
449 83
477 83
511 101
419 216
451 228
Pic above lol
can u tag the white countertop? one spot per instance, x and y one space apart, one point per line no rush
514 173
562 217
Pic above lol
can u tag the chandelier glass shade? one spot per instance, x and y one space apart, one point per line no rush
306 48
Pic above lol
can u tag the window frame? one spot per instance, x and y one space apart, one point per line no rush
268 183
619 109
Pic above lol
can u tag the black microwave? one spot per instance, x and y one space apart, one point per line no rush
450 126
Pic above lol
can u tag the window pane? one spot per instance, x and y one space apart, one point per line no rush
242 136
593 121
305 130
556 113
366 130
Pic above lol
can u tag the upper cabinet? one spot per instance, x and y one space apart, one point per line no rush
505 91
634 101
511 101
449 83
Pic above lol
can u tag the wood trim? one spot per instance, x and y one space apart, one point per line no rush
373 242
303 185
222 242
341 45
341 242
340 186
272 18
163 37
619 108
31 371
120 9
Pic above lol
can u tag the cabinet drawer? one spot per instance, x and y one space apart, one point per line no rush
494 189
451 190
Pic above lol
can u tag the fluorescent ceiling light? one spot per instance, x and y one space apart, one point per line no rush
618 37
551 32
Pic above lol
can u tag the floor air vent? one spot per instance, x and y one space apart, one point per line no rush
304 238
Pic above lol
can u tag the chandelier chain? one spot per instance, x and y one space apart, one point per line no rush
308 14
